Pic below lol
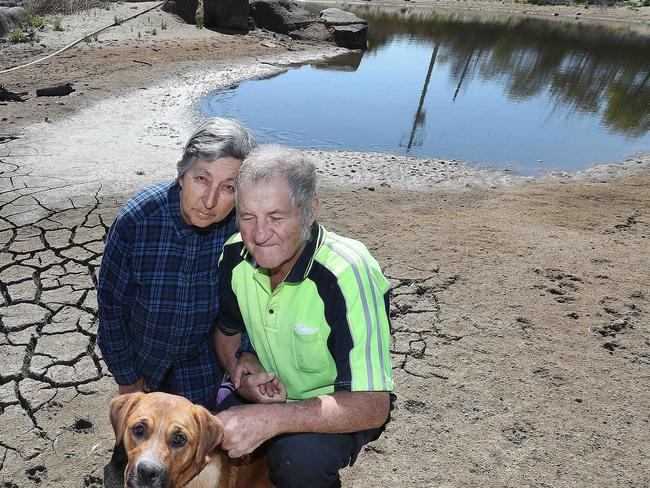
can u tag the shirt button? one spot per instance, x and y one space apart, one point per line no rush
271 311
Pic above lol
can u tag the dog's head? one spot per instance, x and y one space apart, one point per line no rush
167 438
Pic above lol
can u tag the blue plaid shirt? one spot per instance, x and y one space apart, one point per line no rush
158 295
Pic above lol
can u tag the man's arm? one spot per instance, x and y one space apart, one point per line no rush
226 346
248 426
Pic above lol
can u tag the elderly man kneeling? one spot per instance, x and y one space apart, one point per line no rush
315 306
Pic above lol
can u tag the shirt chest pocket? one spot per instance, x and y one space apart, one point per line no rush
310 348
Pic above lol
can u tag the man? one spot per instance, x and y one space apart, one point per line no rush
158 283
315 306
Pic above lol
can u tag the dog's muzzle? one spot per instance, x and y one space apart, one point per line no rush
148 474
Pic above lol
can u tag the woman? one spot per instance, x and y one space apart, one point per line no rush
158 283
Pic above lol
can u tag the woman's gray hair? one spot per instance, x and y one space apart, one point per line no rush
216 138
270 161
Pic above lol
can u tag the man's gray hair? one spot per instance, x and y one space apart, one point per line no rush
216 138
270 161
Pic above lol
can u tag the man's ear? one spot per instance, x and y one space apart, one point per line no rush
210 433
119 410
314 209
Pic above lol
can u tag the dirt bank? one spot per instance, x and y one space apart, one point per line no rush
520 309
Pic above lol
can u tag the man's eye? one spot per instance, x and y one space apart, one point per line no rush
229 188
179 440
138 430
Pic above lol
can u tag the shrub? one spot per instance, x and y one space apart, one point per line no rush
56 23
35 21
16 35
199 22
163 24
118 20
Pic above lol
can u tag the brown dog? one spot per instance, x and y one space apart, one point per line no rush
172 443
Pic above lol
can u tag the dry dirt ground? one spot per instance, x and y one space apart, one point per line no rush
521 307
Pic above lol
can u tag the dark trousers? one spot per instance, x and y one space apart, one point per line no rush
311 460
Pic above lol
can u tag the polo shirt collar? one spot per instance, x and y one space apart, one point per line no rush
302 267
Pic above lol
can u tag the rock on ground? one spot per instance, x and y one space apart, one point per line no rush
10 18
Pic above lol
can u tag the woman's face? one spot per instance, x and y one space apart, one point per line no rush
208 191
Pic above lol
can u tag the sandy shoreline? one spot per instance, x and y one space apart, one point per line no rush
521 344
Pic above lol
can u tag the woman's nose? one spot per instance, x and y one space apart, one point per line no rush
211 197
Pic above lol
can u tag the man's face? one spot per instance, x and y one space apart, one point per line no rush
208 191
269 225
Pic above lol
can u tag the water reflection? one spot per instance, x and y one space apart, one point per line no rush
521 93
589 68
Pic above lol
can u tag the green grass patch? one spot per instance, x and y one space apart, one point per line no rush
16 35
35 21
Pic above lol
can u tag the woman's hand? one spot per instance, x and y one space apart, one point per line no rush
253 383
262 388
140 385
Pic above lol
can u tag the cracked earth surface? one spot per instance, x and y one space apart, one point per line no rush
520 341
521 337
521 346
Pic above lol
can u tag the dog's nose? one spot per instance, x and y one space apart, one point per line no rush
149 472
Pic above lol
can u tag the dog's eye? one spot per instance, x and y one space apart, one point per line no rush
138 430
179 440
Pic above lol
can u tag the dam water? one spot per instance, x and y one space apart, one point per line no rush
515 93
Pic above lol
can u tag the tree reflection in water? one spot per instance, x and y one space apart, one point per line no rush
586 68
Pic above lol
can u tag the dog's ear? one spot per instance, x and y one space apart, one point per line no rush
119 410
210 433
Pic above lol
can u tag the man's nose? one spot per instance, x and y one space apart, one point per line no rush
262 232
211 197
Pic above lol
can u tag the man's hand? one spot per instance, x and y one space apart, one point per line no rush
140 385
246 364
245 427
262 388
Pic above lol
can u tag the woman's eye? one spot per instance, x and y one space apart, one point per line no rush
179 440
138 430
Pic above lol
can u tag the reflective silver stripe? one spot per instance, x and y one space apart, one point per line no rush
375 302
366 311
